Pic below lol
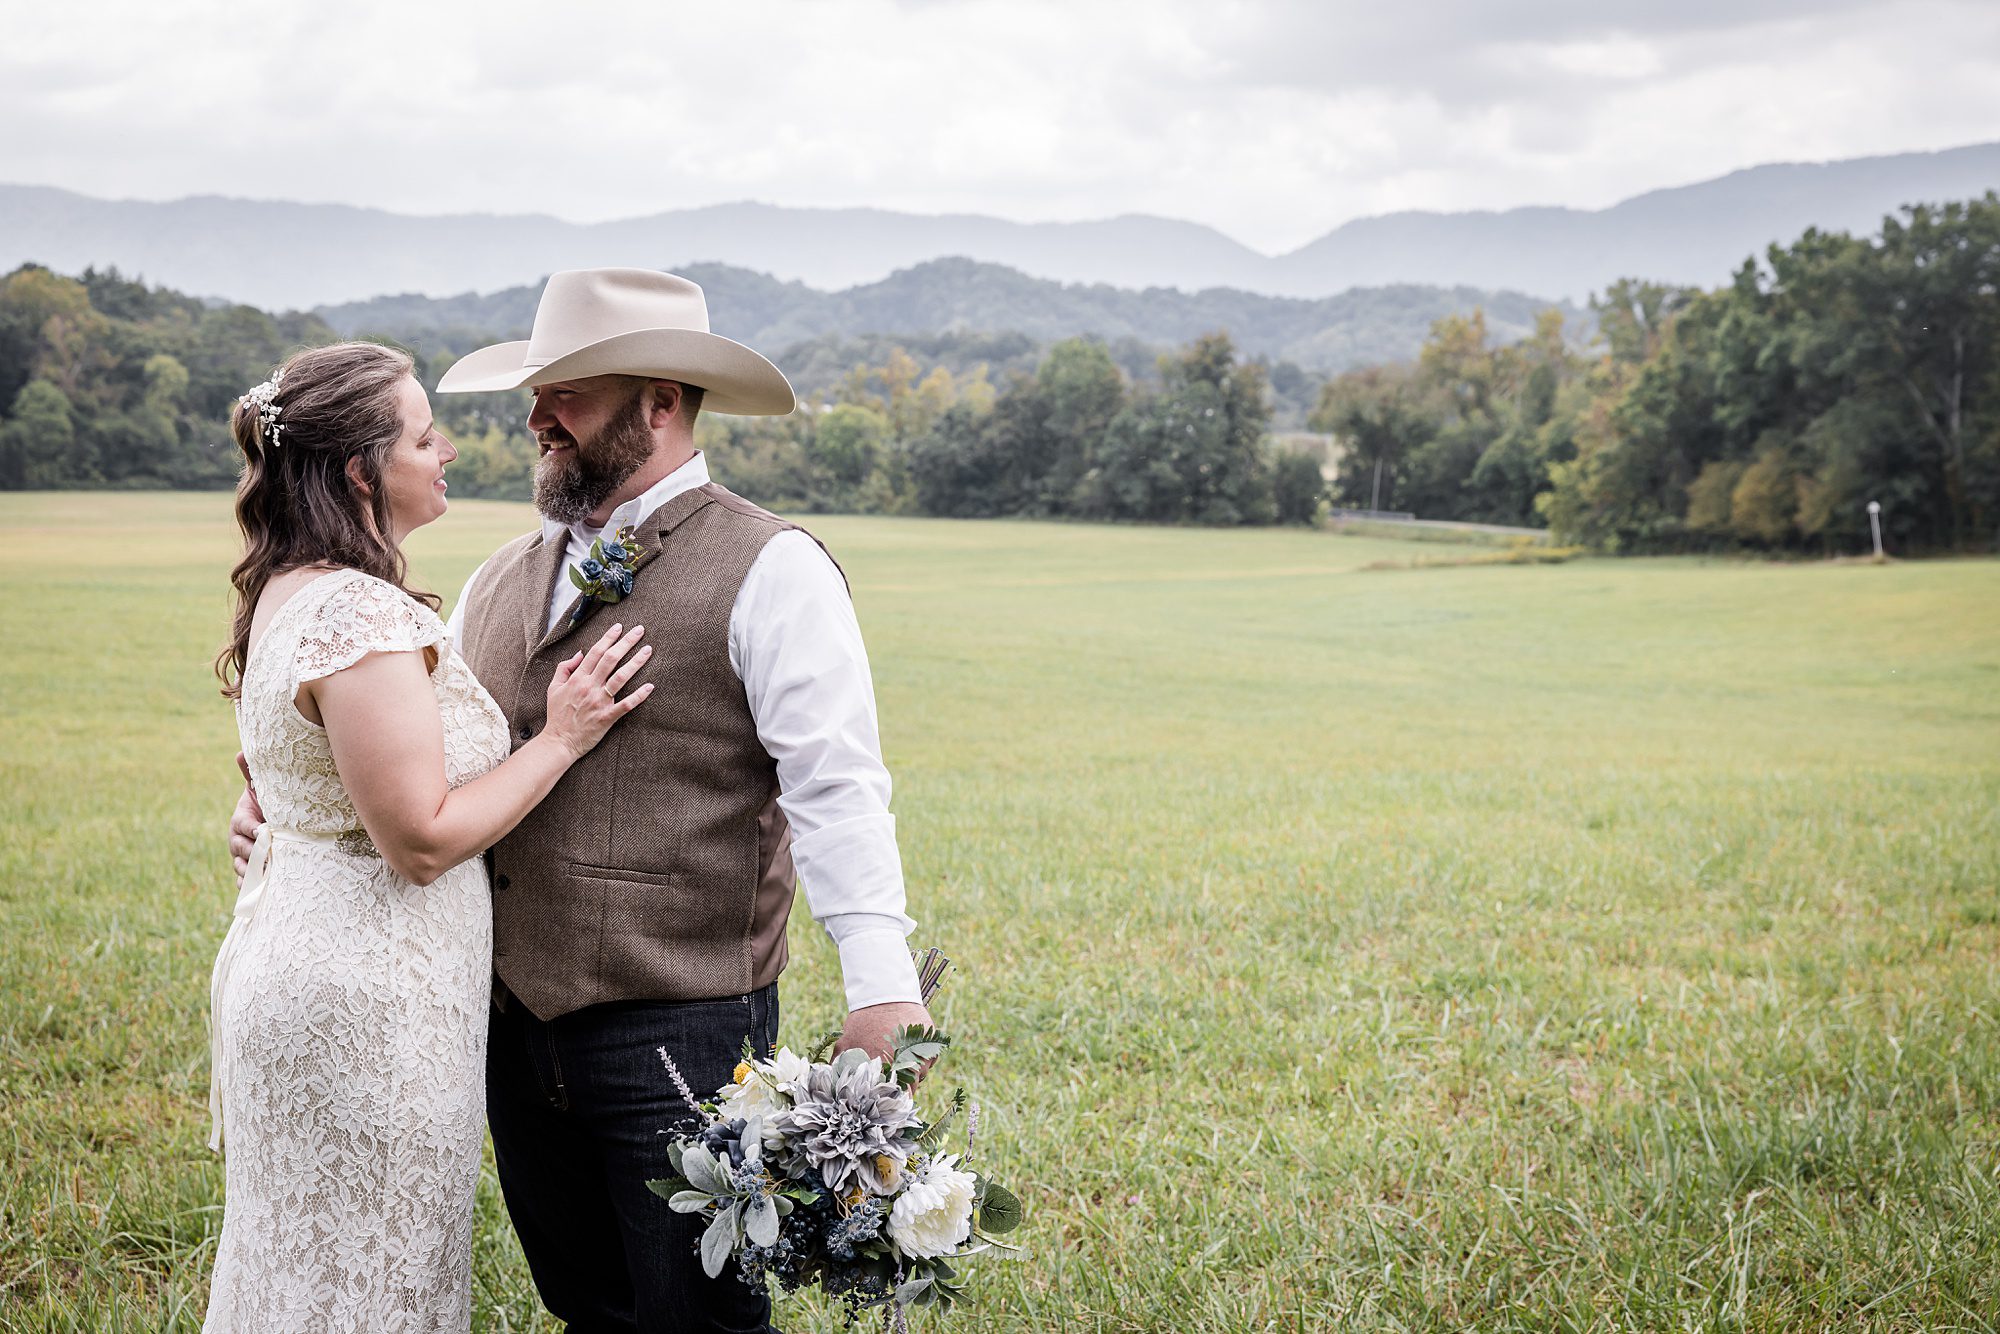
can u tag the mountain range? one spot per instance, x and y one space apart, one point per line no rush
959 297
291 255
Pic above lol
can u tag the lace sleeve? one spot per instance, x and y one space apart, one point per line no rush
363 615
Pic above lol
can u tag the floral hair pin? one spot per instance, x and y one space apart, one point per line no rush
265 398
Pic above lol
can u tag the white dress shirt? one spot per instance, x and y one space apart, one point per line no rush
796 646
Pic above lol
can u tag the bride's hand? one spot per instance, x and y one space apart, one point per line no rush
583 697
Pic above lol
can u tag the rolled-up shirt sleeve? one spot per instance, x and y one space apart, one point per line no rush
795 643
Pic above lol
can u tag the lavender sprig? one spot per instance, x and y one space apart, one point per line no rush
680 1082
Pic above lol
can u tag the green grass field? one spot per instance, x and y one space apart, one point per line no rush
1596 946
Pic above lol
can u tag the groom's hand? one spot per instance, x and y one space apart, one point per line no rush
243 822
873 1028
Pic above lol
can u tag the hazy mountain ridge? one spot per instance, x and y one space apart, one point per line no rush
961 296
1694 234
280 255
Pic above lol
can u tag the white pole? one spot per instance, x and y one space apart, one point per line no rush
1875 526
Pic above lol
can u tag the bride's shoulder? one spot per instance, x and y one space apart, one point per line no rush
292 592
323 599
350 593
355 614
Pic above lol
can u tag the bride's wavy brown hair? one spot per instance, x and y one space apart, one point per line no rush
295 502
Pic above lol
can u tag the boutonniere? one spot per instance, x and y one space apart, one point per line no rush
606 574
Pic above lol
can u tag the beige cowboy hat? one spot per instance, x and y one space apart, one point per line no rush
627 322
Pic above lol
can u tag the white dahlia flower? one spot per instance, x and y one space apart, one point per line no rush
933 1215
764 1088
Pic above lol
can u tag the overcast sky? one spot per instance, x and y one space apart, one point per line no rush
1273 120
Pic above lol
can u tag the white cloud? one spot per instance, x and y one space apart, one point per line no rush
1273 120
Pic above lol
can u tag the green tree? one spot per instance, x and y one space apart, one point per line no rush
1379 419
1298 488
38 440
849 440
1083 390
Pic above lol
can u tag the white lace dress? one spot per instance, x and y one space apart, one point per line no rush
350 1010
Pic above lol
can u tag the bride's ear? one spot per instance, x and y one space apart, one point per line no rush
358 476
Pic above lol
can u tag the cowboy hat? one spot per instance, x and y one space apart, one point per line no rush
627 322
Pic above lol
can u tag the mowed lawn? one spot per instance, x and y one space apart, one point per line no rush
1602 946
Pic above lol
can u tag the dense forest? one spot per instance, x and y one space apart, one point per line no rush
108 382
1763 414
113 383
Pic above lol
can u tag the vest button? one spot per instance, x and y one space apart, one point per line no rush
500 882
526 732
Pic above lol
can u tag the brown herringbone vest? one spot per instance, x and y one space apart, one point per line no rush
660 867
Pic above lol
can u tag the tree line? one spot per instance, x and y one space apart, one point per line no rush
1077 438
107 382
114 384
1765 414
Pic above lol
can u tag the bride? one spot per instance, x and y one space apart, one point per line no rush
350 997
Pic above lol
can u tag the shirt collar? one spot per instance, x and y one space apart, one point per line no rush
635 511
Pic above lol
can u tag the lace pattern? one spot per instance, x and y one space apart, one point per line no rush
353 1024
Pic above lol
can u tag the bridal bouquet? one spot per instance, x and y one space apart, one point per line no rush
814 1171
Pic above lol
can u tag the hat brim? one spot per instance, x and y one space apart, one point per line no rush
734 380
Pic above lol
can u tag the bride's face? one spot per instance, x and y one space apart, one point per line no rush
414 473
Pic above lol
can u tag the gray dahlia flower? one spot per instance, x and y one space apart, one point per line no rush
846 1123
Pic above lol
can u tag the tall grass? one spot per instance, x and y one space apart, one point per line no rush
1598 946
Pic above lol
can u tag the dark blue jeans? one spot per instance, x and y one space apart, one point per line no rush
577 1106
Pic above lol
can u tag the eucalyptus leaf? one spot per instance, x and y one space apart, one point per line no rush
912 1292
999 1210
689 1201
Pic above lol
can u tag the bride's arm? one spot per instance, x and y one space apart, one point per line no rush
382 721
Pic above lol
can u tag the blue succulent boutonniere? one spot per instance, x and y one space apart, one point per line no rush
606 574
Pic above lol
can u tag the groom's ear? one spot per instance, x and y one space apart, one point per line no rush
666 404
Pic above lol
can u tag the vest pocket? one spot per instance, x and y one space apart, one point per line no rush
585 871
663 935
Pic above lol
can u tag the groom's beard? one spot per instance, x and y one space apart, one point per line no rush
568 487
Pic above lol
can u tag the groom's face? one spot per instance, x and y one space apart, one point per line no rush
593 435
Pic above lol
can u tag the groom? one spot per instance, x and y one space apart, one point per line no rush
642 906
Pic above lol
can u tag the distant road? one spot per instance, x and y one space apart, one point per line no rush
1389 523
